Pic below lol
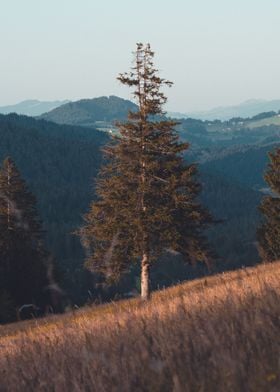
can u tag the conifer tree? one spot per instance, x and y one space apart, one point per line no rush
146 193
23 264
268 235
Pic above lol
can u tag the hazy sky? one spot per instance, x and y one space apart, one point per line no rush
217 52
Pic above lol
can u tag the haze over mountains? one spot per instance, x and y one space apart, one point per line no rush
87 111
246 109
31 107
60 150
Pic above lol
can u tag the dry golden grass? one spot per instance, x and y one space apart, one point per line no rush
218 334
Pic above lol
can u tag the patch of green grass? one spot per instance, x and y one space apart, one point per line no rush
275 120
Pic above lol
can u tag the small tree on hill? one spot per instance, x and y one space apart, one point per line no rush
268 235
23 264
146 192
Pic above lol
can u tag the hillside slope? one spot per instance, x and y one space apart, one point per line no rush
214 334
242 164
59 163
88 112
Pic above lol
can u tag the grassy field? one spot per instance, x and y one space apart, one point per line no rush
216 334
275 120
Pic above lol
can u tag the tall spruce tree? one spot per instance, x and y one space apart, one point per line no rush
23 259
268 235
146 193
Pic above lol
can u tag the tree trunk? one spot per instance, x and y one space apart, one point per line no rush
145 287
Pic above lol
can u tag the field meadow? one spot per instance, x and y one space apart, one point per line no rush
265 122
216 334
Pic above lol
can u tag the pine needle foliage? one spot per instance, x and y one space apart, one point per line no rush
268 235
146 193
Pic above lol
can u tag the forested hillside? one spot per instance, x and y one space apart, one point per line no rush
59 163
242 165
236 207
91 112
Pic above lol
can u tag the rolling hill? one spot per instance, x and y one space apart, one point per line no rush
243 165
273 120
99 112
245 109
60 163
215 334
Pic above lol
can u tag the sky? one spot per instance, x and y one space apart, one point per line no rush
217 53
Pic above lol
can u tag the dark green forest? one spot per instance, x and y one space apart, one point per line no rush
59 164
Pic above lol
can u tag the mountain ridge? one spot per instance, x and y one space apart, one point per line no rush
245 109
31 107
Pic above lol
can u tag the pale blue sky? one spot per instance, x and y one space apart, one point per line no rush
217 52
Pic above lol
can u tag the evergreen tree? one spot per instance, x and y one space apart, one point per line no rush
268 235
146 192
23 262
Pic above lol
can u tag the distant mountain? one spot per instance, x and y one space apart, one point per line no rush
31 107
94 112
246 109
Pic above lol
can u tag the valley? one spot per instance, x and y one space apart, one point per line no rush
230 163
